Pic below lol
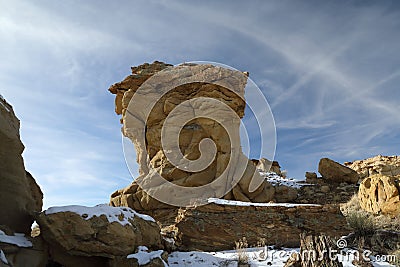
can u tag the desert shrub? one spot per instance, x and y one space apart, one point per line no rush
384 222
361 222
353 205
241 250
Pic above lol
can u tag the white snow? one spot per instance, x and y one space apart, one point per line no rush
276 180
258 257
3 258
144 256
113 214
17 239
241 203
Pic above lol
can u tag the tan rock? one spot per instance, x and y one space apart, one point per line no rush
385 165
285 194
265 165
20 196
311 177
100 231
217 226
336 172
204 101
380 194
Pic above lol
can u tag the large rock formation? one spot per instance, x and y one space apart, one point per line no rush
101 231
201 97
20 196
385 165
331 170
380 194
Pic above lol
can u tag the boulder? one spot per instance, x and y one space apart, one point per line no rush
20 196
100 231
380 194
217 111
331 170
385 165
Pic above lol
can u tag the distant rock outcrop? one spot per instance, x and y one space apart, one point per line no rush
335 172
384 165
380 194
152 158
20 196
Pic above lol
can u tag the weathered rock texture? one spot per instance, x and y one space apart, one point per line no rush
265 165
79 235
380 194
217 226
190 135
385 165
336 172
20 196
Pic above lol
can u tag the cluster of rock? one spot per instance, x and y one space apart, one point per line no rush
384 165
68 236
219 225
379 191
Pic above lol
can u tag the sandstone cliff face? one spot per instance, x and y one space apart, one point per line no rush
20 196
385 165
152 157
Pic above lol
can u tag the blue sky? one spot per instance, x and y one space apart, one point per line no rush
329 69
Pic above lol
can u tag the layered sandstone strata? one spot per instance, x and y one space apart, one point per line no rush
218 225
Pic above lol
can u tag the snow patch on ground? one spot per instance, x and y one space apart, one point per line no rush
17 239
144 256
113 214
276 180
3 258
258 257
241 203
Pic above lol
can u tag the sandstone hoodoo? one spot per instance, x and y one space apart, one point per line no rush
223 221
222 129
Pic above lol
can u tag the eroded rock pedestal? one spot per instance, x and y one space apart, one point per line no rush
217 121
